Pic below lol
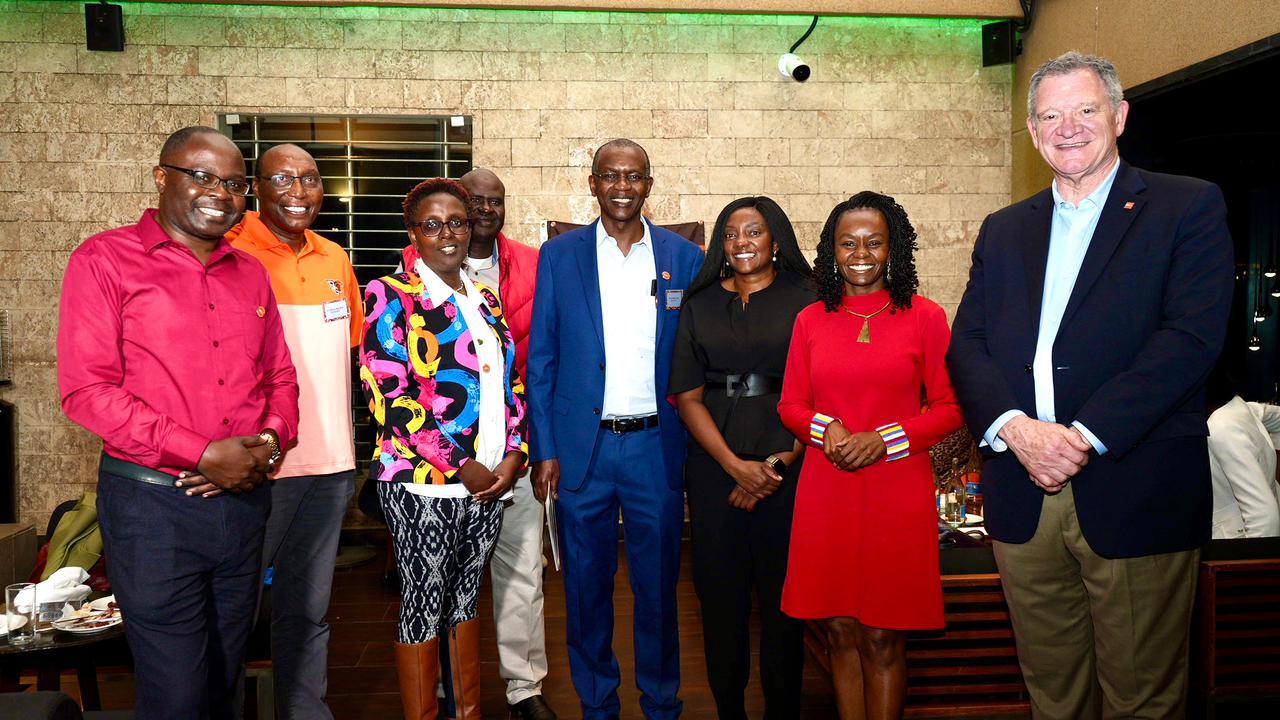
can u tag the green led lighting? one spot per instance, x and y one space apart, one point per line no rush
514 15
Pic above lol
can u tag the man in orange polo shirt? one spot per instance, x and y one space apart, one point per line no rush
322 312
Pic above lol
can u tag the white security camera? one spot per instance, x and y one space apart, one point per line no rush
791 66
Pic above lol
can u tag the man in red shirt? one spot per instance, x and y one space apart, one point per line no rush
170 349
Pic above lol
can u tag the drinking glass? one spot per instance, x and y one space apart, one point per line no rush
21 618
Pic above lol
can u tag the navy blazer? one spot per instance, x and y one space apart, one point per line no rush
566 351
1144 324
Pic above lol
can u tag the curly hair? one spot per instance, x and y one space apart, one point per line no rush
900 273
431 187
790 259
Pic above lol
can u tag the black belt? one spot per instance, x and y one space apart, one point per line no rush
631 424
134 471
747 385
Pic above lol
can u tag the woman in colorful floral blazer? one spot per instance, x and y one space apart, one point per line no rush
438 367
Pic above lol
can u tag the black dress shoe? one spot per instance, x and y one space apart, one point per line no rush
533 708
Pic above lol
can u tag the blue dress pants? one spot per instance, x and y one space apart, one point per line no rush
185 574
627 472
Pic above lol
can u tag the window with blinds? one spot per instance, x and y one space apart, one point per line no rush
369 163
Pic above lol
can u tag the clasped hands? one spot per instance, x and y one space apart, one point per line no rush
236 464
755 479
1051 453
851 451
485 486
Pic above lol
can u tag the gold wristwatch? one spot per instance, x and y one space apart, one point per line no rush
270 437
775 463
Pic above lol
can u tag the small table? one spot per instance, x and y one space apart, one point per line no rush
54 651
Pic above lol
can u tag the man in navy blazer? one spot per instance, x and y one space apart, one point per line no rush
1094 312
604 435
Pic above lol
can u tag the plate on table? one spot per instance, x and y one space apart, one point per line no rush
972 519
99 615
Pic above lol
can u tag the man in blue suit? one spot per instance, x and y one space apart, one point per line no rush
604 323
1093 314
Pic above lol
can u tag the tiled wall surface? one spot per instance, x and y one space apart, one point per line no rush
902 106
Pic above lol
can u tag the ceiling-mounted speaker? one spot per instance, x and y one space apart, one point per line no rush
104 27
999 43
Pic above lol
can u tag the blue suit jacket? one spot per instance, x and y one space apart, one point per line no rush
566 351
1142 329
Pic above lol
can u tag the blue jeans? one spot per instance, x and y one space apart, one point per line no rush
301 544
185 574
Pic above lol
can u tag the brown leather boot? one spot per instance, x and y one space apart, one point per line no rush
418 665
464 663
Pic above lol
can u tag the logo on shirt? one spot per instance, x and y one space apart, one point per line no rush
335 286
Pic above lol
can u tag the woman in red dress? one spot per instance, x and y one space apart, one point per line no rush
864 541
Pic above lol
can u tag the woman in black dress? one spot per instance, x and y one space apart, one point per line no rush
726 375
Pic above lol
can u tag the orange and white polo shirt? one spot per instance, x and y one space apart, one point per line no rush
323 314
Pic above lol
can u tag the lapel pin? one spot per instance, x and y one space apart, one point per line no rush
262 312
666 275
1128 205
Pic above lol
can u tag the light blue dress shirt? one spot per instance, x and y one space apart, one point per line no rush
1069 238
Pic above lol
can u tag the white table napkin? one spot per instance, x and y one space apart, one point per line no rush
65 585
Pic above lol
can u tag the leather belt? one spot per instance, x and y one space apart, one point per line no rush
748 385
134 471
631 424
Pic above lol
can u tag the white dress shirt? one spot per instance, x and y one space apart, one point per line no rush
1069 238
1243 437
629 310
485 271
491 440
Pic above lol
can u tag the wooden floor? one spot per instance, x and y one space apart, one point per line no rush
362 683
362 676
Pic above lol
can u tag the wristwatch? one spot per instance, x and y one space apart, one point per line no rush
775 463
271 440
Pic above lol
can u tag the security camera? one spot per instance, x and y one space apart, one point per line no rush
791 66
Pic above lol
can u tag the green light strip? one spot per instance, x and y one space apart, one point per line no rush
506 15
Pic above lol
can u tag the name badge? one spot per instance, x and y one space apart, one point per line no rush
674 298
336 310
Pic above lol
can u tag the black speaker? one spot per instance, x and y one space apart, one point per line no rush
104 27
999 43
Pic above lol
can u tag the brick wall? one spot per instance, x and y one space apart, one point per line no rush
902 106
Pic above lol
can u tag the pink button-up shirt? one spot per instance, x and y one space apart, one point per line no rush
160 355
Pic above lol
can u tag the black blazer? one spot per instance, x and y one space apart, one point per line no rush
1143 327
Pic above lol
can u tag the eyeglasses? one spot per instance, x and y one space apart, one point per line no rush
209 181
432 228
610 177
280 181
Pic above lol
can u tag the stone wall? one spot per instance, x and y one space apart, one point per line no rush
902 106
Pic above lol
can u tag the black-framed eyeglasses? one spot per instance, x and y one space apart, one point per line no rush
432 228
209 181
281 181
610 177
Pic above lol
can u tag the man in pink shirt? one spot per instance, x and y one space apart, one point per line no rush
170 349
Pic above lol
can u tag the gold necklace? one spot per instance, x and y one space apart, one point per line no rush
865 335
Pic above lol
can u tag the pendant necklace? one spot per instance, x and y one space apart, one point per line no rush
865 335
